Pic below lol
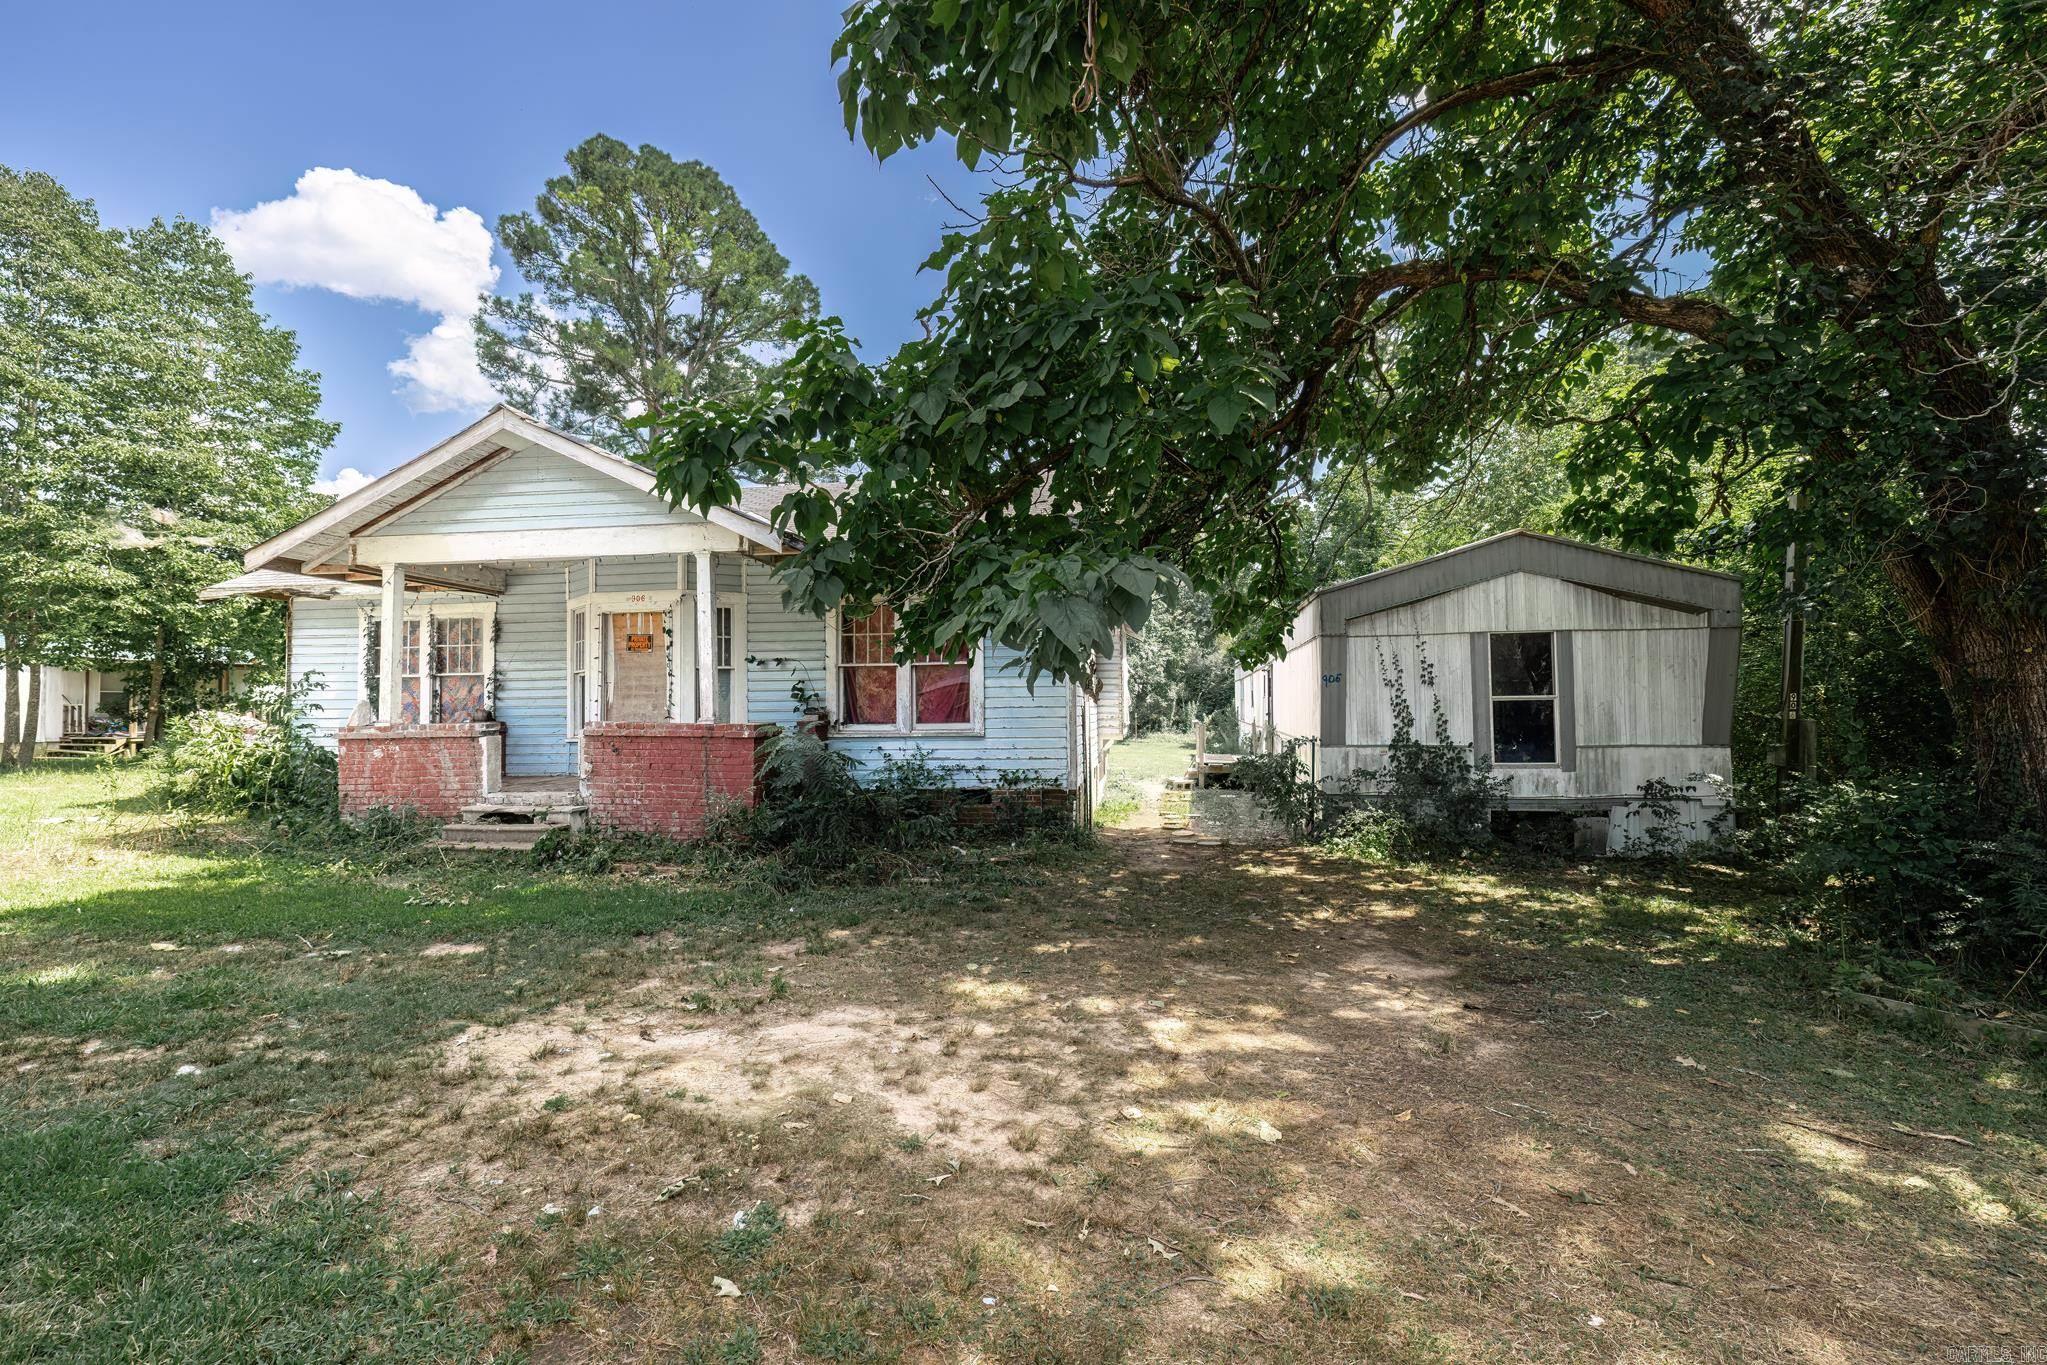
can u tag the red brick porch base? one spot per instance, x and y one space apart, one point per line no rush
433 769
665 776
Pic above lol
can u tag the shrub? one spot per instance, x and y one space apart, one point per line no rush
261 759
1373 834
1429 798
1917 863
1280 784
822 820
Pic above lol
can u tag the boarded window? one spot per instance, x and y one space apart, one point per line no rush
1524 697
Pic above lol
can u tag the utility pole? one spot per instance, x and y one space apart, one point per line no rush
1793 755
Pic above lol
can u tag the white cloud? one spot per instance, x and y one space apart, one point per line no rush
443 364
379 241
343 483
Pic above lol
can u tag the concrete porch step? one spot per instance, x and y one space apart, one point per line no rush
518 809
498 838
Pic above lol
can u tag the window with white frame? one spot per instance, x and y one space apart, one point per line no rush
933 693
1524 697
579 670
444 664
725 658
459 679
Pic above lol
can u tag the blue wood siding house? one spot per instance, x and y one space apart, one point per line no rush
533 588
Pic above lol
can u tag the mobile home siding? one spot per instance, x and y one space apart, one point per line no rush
1635 682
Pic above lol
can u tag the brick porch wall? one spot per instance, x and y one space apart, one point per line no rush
664 777
433 769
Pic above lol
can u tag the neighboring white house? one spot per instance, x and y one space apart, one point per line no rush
1579 672
535 589
70 698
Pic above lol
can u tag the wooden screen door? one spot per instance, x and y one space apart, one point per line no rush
638 674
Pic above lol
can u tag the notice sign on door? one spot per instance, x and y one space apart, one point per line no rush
639 644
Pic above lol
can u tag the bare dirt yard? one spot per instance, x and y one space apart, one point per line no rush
1198 1104
1146 1102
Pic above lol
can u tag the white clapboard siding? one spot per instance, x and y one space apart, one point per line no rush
1373 662
534 490
326 647
784 646
1639 686
1522 601
640 573
1026 729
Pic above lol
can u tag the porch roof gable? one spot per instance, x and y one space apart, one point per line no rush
496 434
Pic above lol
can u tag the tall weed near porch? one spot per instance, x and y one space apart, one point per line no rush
821 820
261 759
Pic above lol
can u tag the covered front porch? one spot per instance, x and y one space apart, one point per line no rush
499 693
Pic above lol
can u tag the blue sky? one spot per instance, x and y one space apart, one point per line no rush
213 108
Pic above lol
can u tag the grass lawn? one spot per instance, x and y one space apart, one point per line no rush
1139 769
1139 1102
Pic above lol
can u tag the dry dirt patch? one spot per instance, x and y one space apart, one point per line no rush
1241 1097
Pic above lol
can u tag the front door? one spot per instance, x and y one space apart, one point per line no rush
637 676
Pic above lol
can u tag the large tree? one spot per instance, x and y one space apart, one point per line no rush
152 424
655 287
1243 239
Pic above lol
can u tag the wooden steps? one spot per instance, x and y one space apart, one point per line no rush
83 747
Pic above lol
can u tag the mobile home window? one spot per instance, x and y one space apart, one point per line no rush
1524 697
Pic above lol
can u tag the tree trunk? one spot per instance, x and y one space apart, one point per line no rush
10 729
152 717
1990 654
32 712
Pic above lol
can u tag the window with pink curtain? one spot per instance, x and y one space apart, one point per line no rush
867 668
945 690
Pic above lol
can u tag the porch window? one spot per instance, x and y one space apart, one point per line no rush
726 660
449 669
458 668
933 692
1524 697
579 670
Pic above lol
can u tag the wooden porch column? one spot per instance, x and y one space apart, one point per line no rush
707 638
393 628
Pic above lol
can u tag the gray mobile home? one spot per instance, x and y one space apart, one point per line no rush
1581 673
